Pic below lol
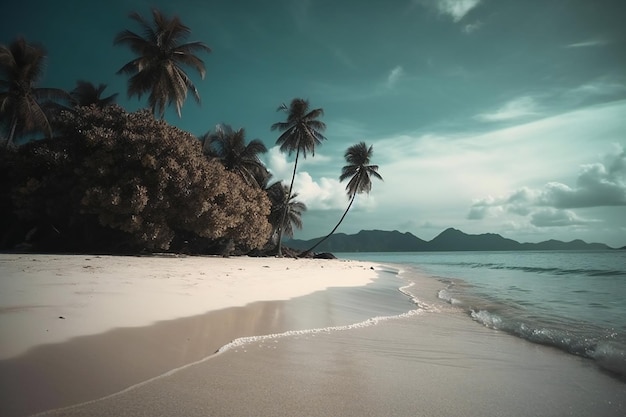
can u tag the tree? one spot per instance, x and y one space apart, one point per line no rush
278 194
301 134
230 147
135 178
87 94
158 68
359 171
22 104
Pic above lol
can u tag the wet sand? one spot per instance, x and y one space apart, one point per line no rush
423 365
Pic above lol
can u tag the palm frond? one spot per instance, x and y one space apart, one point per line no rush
161 53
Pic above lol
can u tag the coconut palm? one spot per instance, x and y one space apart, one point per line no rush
230 147
157 70
278 194
360 172
86 94
301 134
22 104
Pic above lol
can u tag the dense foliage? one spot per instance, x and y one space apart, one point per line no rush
144 180
106 180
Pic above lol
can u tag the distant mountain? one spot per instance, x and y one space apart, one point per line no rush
448 240
364 241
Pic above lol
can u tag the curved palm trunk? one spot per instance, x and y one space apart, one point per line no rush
9 140
306 252
279 250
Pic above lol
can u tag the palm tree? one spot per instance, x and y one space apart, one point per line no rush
230 147
359 171
157 69
86 94
301 134
22 104
278 194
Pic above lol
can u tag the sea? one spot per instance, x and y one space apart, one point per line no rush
571 300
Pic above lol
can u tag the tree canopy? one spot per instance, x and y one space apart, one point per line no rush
139 176
161 55
104 179
22 103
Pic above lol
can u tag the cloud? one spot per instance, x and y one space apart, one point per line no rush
604 87
323 194
457 9
598 185
556 218
588 43
478 212
514 109
472 27
394 75
601 184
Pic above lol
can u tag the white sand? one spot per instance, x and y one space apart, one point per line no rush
52 298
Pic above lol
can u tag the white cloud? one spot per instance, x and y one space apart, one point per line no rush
604 86
597 185
556 218
323 194
601 184
457 9
514 109
587 43
472 27
437 177
394 75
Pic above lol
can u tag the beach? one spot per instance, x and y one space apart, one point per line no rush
134 336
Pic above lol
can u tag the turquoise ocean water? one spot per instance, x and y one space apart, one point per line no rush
574 301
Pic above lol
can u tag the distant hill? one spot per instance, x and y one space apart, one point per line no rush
448 240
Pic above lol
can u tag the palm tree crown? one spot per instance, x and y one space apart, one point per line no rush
301 133
278 195
157 69
302 130
358 169
86 94
22 104
360 172
230 147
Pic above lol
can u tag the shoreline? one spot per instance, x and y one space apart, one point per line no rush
53 298
79 364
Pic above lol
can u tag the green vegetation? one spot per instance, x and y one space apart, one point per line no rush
91 177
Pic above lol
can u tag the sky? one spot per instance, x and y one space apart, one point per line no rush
489 116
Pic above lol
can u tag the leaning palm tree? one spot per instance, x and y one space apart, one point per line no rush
230 147
278 194
22 104
359 171
87 94
301 134
158 68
